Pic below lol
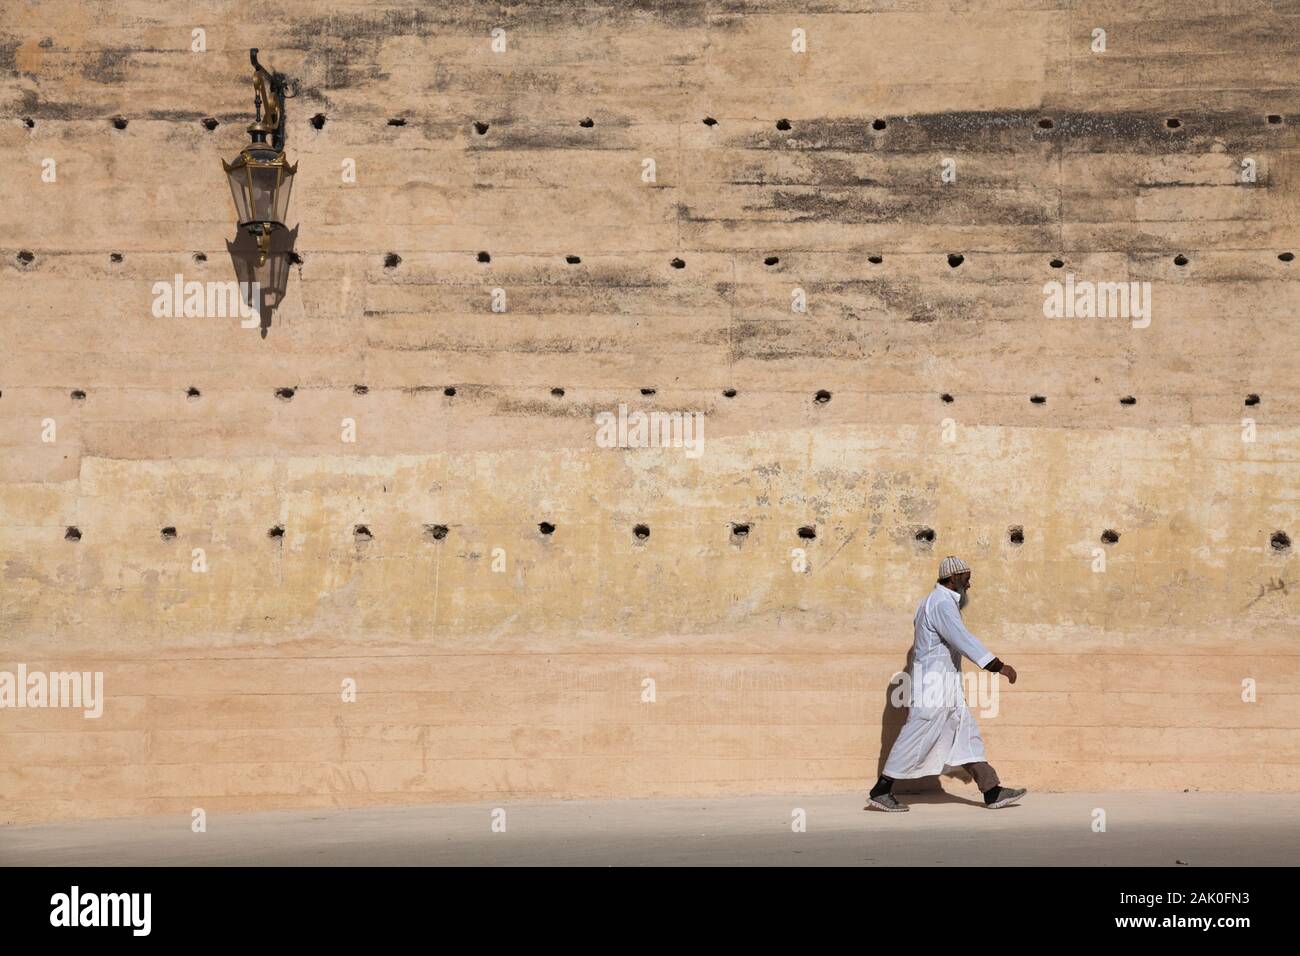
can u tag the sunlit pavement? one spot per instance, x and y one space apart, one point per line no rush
1149 829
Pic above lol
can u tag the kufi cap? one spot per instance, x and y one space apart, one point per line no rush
952 565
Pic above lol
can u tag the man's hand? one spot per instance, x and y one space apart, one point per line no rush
1009 673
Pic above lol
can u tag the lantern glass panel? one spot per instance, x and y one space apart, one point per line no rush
282 194
238 176
266 180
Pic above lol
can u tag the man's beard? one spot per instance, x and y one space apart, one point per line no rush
963 598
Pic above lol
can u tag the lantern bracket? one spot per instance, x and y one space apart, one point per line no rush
269 91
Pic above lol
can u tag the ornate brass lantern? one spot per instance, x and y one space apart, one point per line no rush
261 177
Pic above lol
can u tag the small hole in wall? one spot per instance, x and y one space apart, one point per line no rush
284 394
484 257
955 259
557 393
392 260
435 532
77 395
26 257
1173 122
1286 256
481 128
1016 534
397 121
1180 260
946 398
1109 537
73 533
360 389
710 121
1128 400
200 257
450 391
740 529
1045 123
318 121
822 396
1038 399
924 536
587 123
192 393
1274 119
210 124
878 124
361 534
115 257
728 393
546 527
678 264
641 531
168 533
276 531
119 122
783 125
648 391
28 122
771 260
573 260
1280 541
807 532
1252 399
875 260
1056 263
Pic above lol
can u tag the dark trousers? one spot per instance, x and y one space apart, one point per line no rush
986 778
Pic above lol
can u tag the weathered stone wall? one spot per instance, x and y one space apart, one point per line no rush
223 686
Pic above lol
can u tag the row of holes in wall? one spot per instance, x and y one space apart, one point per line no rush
820 397
1279 540
318 121
392 260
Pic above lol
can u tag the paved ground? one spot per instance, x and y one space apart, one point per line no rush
1158 829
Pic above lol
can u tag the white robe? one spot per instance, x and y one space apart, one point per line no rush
940 733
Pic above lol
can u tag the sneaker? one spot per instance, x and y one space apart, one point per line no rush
1006 797
887 802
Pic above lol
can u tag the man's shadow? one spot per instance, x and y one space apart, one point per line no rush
918 789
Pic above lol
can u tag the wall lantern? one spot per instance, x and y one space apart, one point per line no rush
261 177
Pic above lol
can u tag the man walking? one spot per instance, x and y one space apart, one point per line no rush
940 731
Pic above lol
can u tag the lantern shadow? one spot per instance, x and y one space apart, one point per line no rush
271 278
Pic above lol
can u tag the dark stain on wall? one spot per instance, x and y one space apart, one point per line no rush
108 65
998 131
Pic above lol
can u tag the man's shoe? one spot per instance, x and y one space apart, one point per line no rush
888 803
1006 797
